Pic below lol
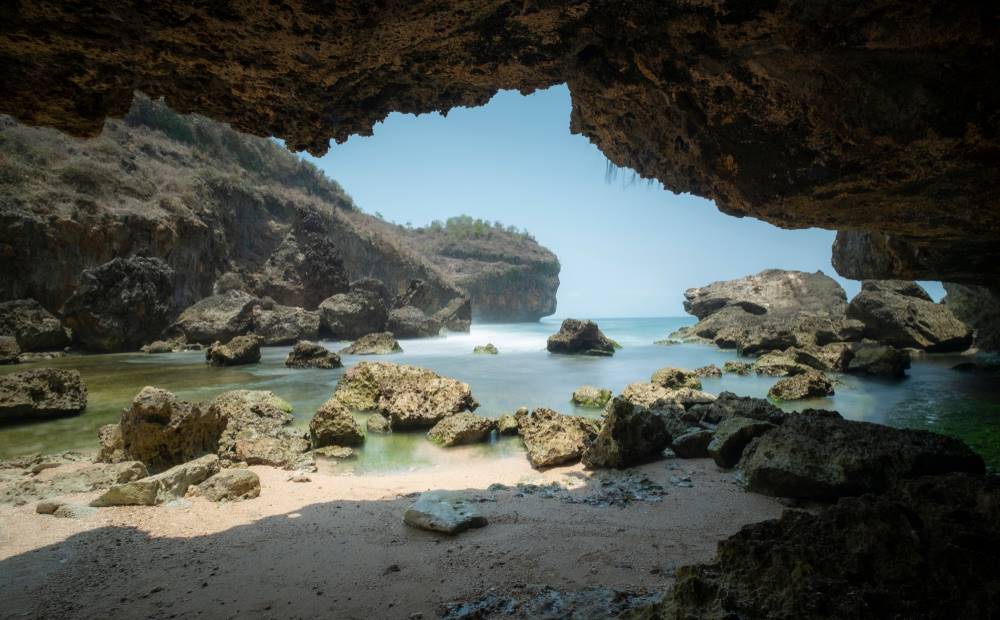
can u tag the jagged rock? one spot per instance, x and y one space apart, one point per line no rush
338 453
731 438
304 269
89 477
411 322
729 405
311 355
507 425
487 349
591 397
692 444
879 359
656 397
278 325
461 428
121 304
41 393
778 364
448 512
353 314
373 285
979 308
818 454
334 424
161 431
229 485
834 357
241 410
219 317
380 343
580 337
554 439
112 444
901 314
456 315
163 487
378 423
738 368
239 351
673 378
409 396
925 549
810 384
630 435
9 350
284 449
34 328
709 371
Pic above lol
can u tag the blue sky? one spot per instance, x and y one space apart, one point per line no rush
625 250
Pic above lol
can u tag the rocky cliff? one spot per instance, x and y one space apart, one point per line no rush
509 276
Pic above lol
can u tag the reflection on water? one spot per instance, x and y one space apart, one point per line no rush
933 397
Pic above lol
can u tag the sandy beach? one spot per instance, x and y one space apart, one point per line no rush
336 546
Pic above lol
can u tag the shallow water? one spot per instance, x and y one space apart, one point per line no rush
933 396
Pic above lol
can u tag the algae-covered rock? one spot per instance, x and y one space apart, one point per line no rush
555 439
485 349
591 397
40 394
334 424
239 351
731 438
673 378
379 343
630 435
811 384
461 428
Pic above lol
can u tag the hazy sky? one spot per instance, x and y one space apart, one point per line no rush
625 250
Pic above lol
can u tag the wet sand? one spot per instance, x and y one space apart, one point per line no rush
337 547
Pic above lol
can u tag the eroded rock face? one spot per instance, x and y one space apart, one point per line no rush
239 412
412 322
818 454
580 337
162 431
9 350
219 317
304 269
40 394
629 435
34 327
121 304
979 308
353 314
901 314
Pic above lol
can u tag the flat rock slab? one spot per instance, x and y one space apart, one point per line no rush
443 511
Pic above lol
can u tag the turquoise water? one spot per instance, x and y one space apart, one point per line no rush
524 374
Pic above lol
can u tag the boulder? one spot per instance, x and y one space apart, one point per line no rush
216 318
738 368
925 549
9 350
778 364
239 351
461 428
305 268
237 411
411 322
121 304
353 314
333 424
693 443
448 512
657 397
456 315
709 371
880 360
811 384
229 485
373 285
163 487
379 343
278 325
162 431
630 435
162 346
728 405
337 453
78 476
580 337
554 439
901 314
485 349
672 378
507 425
731 438
591 397
378 423
41 393
409 396
34 327
284 449
311 355
112 443
820 455
772 291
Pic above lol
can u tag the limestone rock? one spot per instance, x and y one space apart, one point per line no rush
902 315
412 322
334 424
709 371
284 449
379 343
818 454
729 405
811 384
554 439
112 444
979 308
304 269
880 360
79 478
216 318
409 396
378 423
121 304
9 350
338 453
738 368
353 314
591 397
731 438
163 487
278 325
692 444
580 337
311 355
162 431
673 378
456 315
485 349
34 328
771 291
237 411
507 425
630 435
448 512
230 485
41 393
157 347
461 428
778 364
239 351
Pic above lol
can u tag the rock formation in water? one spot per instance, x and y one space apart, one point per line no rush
902 314
979 308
